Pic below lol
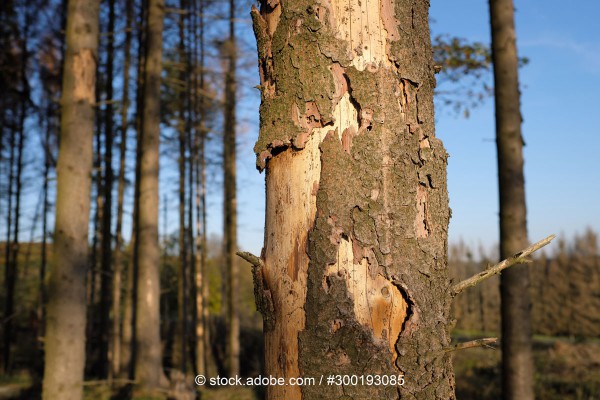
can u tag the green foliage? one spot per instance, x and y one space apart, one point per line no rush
465 72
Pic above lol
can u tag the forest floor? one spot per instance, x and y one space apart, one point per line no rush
566 369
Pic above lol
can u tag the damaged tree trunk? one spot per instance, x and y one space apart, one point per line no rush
353 277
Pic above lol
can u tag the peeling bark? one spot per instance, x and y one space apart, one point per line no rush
354 268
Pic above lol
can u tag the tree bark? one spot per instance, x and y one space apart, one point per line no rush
517 361
229 166
355 276
65 324
148 361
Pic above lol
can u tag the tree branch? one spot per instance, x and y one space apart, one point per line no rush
518 258
257 262
471 344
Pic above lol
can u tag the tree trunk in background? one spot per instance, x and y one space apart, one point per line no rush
179 346
517 361
201 317
203 352
115 368
106 275
355 276
65 325
129 306
8 273
148 360
230 209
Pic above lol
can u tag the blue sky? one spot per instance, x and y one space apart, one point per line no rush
560 106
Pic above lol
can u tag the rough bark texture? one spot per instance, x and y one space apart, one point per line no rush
517 362
230 206
65 324
148 357
354 278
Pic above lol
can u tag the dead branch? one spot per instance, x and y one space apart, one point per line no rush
485 342
257 262
519 258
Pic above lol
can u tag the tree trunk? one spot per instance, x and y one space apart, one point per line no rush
517 362
179 347
203 289
65 325
230 208
354 274
148 361
115 369
107 187
129 312
8 273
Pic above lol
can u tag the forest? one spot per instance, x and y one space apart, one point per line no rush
144 257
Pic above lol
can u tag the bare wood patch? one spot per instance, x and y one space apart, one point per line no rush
361 23
84 76
378 303
421 225
291 212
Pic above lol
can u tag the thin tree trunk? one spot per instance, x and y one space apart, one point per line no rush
517 361
202 280
353 278
180 342
65 325
8 273
190 128
230 208
107 187
198 107
148 361
130 304
13 254
96 223
115 369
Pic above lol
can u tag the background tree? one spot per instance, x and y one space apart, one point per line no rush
517 359
148 361
230 202
65 326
